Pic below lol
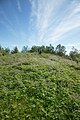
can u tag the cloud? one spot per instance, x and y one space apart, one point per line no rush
7 23
73 45
9 28
52 19
19 5
2 13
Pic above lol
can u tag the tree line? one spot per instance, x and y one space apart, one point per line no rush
58 50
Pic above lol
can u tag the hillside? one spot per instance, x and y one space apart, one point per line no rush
39 87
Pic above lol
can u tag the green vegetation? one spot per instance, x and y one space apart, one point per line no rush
59 50
15 50
39 87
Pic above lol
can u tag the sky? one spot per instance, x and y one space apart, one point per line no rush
40 22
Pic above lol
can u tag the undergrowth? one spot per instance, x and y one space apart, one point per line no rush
39 87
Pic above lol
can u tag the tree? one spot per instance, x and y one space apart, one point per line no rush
15 50
47 49
35 48
7 50
43 48
60 50
75 54
2 52
50 49
24 49
0 47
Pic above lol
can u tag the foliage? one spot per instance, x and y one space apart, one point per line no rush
7 50
43 48
75 54
15 50
34 87
49 49
4 51
24 49
35 48
60 50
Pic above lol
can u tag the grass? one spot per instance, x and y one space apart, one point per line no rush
39 87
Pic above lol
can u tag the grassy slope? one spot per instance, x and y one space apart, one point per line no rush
39 87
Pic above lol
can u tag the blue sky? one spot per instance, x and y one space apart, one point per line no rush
40 22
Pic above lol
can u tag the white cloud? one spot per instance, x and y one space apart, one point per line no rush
8 24
9 28
52 19
6 18
73 45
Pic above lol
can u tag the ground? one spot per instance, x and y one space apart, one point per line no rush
39 87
